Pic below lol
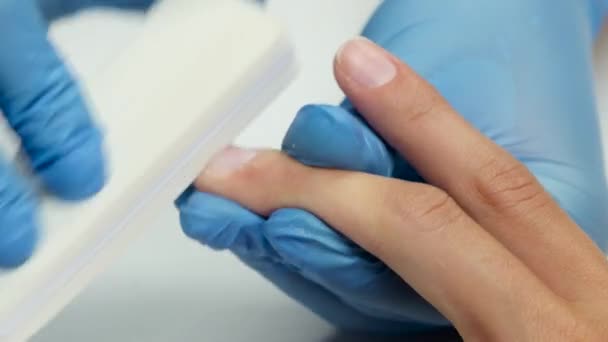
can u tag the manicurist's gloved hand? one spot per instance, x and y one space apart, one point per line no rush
43 105
520 71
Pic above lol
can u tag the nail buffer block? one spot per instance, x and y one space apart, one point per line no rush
195 76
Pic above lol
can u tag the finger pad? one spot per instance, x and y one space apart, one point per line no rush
18 244
77 175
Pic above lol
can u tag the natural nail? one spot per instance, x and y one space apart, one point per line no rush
366 63
228 161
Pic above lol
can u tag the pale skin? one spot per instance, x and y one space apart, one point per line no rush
474 241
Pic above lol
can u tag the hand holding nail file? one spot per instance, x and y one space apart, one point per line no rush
199 71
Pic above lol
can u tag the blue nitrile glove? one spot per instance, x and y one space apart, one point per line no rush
54 9
519 70
42 103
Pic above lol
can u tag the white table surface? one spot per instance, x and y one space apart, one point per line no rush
168 288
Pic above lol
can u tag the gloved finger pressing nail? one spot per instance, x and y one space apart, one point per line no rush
43 104
18 219
400 167
324 256
332 137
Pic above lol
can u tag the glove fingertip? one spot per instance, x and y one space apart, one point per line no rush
214 233
56 9
310 121
15 250
330 136
79 174
18 225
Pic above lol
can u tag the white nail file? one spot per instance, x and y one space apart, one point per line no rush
199 71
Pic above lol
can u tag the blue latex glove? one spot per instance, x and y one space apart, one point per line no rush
42 103
519 70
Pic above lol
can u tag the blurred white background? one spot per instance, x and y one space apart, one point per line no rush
168 288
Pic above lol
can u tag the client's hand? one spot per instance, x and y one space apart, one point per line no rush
519 71
483 241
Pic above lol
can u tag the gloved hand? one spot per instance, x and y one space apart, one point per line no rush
42 103
518 70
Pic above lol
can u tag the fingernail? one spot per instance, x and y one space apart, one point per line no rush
228 161
366 63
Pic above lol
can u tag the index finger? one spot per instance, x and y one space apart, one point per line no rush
416 229
491 186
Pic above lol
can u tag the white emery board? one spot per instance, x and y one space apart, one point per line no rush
194 77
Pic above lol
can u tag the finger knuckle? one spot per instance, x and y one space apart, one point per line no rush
271 179
429 209
420 103
509 185
557 320
573 328
269 168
